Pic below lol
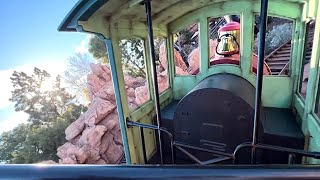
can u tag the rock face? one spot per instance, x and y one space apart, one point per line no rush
95 137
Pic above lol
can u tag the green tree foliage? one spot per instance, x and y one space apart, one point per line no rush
38 97
131 51
98 49
50 112
132 55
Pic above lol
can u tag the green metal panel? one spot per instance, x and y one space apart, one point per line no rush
312 8
311 126
148 107
286 9
277 91
299 106
281 96
310 122
313 74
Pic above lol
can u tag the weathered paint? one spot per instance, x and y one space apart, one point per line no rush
311 126
127 20
126 113
297 74
279 97
204 44
247 19
314 67
118 100
310 122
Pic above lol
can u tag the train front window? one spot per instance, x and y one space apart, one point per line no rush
135 74
186 50
224 34
277 48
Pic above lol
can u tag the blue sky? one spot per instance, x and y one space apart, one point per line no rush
29 38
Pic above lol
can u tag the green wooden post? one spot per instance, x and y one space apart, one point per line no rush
203 45
119 101
246 43
313 80
124 102
295 57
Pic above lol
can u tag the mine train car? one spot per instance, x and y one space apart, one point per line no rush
222 85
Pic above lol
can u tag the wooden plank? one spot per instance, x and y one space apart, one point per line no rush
277 63
280 54
278 59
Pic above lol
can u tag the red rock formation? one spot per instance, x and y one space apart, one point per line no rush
95 137
193 60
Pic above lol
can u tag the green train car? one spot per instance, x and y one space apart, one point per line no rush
231 87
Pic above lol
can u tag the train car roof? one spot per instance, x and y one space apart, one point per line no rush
163 11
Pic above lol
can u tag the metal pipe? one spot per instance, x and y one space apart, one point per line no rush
164 130
149 126
202 149
291 158
173 153
154 73
300 152
189 155
118 100
216 160
143 145
211 161
315 155
262 36
238 148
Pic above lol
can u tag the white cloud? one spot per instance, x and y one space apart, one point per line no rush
82 48
13 121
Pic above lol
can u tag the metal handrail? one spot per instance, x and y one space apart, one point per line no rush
222 156
131 123
254 144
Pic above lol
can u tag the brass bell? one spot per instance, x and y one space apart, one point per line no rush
228 39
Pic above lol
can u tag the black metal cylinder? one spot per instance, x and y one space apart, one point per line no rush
217 114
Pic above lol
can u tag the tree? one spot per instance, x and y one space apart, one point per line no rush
12 141
132 56
76 76
50 110
98 49
26 144
131 51
33 95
